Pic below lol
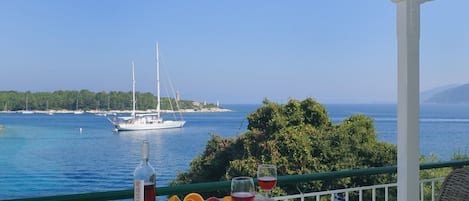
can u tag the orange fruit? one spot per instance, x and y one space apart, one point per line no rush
227 198
174 198
193 197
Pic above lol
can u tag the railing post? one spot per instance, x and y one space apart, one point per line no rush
408 36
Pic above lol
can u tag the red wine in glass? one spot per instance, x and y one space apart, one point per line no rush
267 177
267 183
242 189
242 196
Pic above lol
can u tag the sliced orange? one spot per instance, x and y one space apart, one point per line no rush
174 198
227 198
193 197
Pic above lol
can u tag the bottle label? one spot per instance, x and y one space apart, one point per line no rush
139 190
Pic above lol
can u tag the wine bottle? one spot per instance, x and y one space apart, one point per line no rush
144 177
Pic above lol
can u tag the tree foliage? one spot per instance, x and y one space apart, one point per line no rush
299 138
87 100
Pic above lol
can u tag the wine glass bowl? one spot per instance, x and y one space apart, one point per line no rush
267 177
242 189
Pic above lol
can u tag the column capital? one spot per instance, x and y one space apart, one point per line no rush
416 1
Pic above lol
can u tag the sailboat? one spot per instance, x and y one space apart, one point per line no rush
151 121
26 110
98 110
77 111
5 109
47 108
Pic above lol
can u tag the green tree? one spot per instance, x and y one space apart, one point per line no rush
299 138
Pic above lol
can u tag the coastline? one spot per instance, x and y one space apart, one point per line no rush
114 112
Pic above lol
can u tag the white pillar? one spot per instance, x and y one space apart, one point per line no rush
408 36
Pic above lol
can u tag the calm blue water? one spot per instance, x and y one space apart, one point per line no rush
47 155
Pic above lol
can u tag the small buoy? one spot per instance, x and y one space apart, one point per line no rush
81 130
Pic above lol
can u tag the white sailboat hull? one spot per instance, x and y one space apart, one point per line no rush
146 123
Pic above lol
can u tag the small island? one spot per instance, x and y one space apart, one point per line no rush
97 102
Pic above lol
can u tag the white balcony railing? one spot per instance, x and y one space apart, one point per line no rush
376 192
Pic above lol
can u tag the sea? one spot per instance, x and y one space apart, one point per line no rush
42 155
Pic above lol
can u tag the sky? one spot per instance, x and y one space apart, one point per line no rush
243 51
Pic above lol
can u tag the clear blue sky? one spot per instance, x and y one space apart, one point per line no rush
336 51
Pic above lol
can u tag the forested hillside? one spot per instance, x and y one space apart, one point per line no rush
87 100
453 95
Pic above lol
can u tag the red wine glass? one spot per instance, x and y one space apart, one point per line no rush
267 177
242 189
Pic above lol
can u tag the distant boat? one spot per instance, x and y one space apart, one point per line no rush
26 109
47 109
77 111
5 108
152 121
108 111
98 112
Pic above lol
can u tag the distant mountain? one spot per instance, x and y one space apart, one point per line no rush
458 94
426 95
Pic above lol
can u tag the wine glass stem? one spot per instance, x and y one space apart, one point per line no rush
266 194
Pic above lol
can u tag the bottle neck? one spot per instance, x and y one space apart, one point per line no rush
144 160
145 152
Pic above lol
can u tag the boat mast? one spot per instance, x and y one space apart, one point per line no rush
109 102
157 81
133 90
